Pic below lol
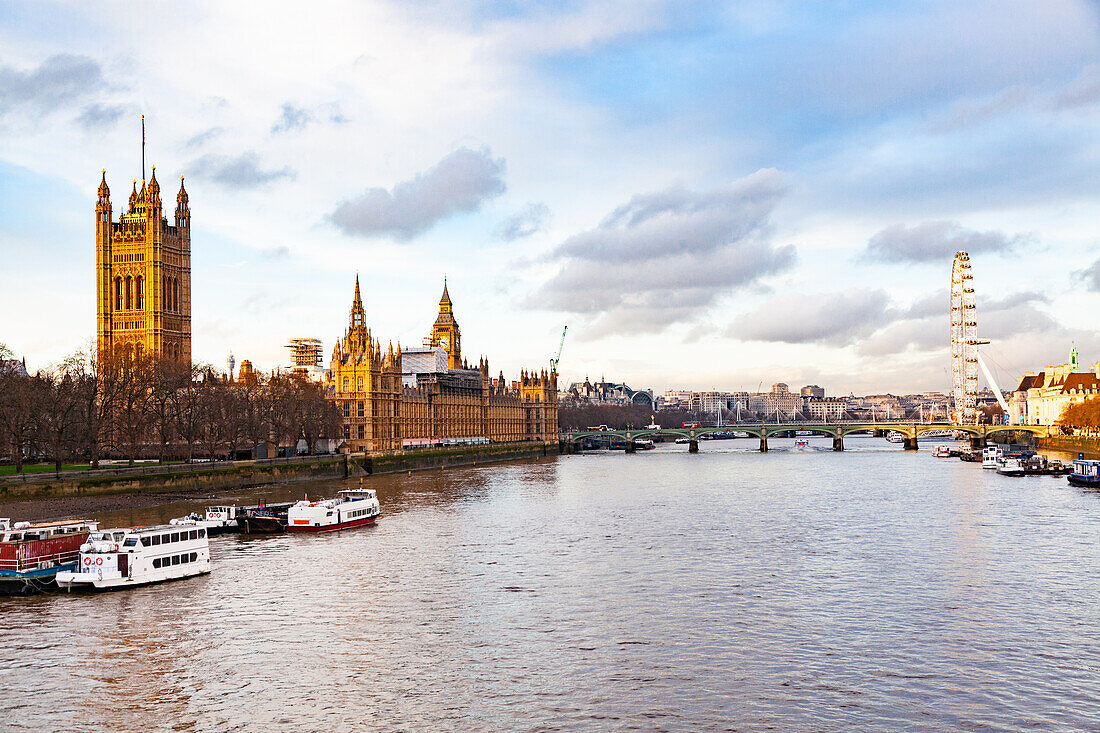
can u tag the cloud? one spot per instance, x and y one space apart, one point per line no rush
292 119
1091 276
837 319
936 241
529 220
99 116
1084 91
203 137
458 183
56 82
664 257
242 171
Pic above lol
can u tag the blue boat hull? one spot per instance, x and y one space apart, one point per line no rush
14 583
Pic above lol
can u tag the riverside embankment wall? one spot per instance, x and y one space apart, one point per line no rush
229 476
1072 444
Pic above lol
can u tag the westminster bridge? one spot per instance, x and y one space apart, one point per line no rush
910 432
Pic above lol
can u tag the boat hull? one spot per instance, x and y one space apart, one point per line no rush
262 525
28 582
115 581
360 522
1084 482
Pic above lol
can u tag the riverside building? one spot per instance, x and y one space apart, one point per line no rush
390 401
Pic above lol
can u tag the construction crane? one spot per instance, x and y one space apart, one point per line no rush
556 359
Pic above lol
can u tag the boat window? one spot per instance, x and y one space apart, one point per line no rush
15 537
175 559
194 556
194 534
146 541
156 562
175 537
202 533
154 540
329 514
130 542
118 536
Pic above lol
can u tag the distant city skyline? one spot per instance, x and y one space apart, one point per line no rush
710 197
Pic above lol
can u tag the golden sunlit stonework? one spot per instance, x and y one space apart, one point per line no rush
143 274
390 401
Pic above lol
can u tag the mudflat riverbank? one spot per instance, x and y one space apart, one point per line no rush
71 495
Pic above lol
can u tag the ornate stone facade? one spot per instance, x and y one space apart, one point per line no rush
382 414
143 274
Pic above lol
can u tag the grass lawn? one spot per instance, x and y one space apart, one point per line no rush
44 468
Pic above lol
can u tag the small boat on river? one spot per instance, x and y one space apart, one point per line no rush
1086 473
1011 467
129 557
990 456
264 518
942 451
217 519
970 456
31 554
350 508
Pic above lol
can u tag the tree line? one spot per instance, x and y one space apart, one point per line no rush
125 405
1083 415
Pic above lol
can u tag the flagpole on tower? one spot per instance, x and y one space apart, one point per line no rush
143 149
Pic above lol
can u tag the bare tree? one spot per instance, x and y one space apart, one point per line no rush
59 414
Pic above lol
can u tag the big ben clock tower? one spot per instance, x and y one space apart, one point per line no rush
445 333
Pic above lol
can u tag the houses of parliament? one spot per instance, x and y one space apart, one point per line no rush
390 399
393 398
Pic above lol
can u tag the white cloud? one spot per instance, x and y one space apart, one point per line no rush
459 183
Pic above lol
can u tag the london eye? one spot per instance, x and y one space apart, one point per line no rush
964 340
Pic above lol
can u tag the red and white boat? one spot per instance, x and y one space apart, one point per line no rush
31 554
350 508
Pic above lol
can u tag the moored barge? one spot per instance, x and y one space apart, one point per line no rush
31 554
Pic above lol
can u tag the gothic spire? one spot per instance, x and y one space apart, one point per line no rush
104 191
446 299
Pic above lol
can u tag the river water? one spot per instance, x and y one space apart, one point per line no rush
800 589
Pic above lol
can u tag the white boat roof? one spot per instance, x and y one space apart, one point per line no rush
146 530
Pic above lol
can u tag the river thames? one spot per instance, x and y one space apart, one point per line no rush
799 589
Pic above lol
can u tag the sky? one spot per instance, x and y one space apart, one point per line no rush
710 195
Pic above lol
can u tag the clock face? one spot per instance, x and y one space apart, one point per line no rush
444 342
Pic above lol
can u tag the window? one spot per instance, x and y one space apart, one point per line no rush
346 383
193 534
194 556
156 562
140 300
129 292
175 559
118 293
202 533
176 295
130 542
359 382
174 537
360 407
360 432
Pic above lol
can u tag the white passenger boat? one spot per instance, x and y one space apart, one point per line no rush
941 451
216 520
350 508
1010 467
123 558
990 456
895 437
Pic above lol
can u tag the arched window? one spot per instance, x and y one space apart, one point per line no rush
176 295
140 301
129 292
118 293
